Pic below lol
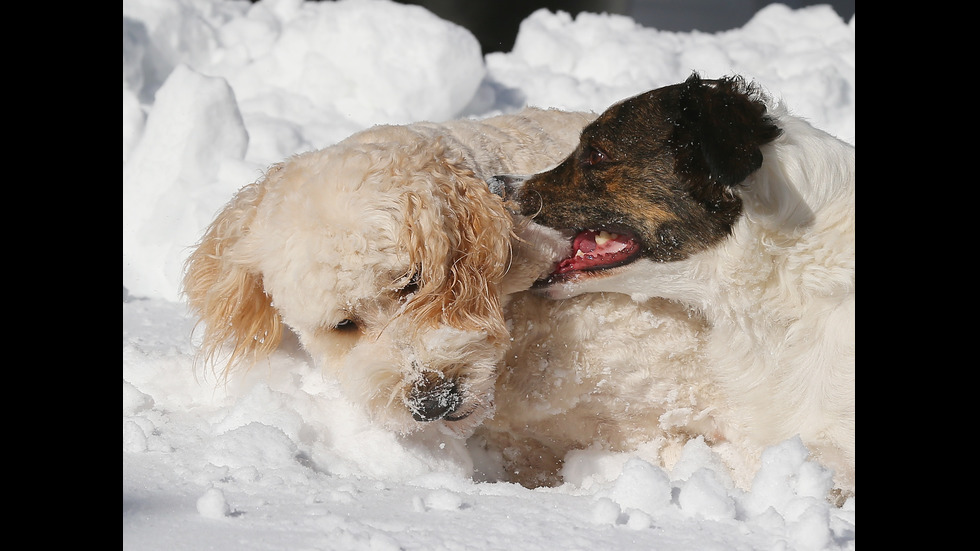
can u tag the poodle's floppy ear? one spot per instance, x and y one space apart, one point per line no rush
225 294
719 129
463 255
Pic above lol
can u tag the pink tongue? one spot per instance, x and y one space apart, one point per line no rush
585 242
612 252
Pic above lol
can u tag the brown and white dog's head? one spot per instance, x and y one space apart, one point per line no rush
386 254
654 177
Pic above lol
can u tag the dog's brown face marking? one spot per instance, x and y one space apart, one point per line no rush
657 171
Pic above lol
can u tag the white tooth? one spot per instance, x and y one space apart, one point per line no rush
604 236
579 253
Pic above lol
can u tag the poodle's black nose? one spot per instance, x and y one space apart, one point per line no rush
434 398
504 185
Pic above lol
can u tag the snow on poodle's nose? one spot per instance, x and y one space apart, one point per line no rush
434 398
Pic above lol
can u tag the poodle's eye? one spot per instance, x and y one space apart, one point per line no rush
346 325
593 156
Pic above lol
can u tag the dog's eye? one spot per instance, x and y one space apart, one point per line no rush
346 325
594 156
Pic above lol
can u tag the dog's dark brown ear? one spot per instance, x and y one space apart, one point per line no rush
720 128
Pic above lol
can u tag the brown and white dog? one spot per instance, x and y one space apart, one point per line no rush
707 194
389 259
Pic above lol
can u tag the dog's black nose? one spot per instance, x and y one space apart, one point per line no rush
504 185
434 398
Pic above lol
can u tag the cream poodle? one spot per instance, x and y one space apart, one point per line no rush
389 258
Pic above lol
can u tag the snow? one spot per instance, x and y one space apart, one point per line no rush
216 90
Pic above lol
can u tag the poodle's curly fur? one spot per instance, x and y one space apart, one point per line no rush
598 371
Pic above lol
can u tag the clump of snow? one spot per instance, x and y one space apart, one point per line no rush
641 486
705 495
213 504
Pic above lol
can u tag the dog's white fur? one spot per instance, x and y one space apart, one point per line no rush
779 297
346 233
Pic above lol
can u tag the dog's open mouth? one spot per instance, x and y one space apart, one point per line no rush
598 250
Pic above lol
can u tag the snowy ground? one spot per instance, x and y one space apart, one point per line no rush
213 92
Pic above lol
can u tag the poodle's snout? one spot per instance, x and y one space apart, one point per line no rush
434 398
505 185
